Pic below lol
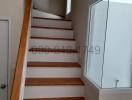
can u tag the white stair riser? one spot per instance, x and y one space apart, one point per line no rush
37 13
53 91
55 44
52 33
47 72
51 23
52 57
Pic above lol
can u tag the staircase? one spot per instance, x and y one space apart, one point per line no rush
53 71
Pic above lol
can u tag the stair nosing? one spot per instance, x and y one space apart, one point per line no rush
53 50
54 64
51 28
52 19
47 38
60 98
54 82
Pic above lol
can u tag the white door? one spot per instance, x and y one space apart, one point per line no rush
4 30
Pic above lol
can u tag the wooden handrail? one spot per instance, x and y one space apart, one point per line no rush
21 53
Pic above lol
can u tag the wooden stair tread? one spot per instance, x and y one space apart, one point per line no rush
51 19
52 50
64 98
51 28
52 38
53 81
53 64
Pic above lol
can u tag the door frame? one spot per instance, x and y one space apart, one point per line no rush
9 56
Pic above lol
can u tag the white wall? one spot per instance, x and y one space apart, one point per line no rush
115 94
80 10
80 16
92 91
57 7
80 23
118 53
13 9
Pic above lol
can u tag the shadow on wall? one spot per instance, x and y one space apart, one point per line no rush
57 7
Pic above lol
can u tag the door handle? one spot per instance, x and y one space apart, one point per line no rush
3 86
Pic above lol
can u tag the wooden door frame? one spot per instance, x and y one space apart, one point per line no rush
9 70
